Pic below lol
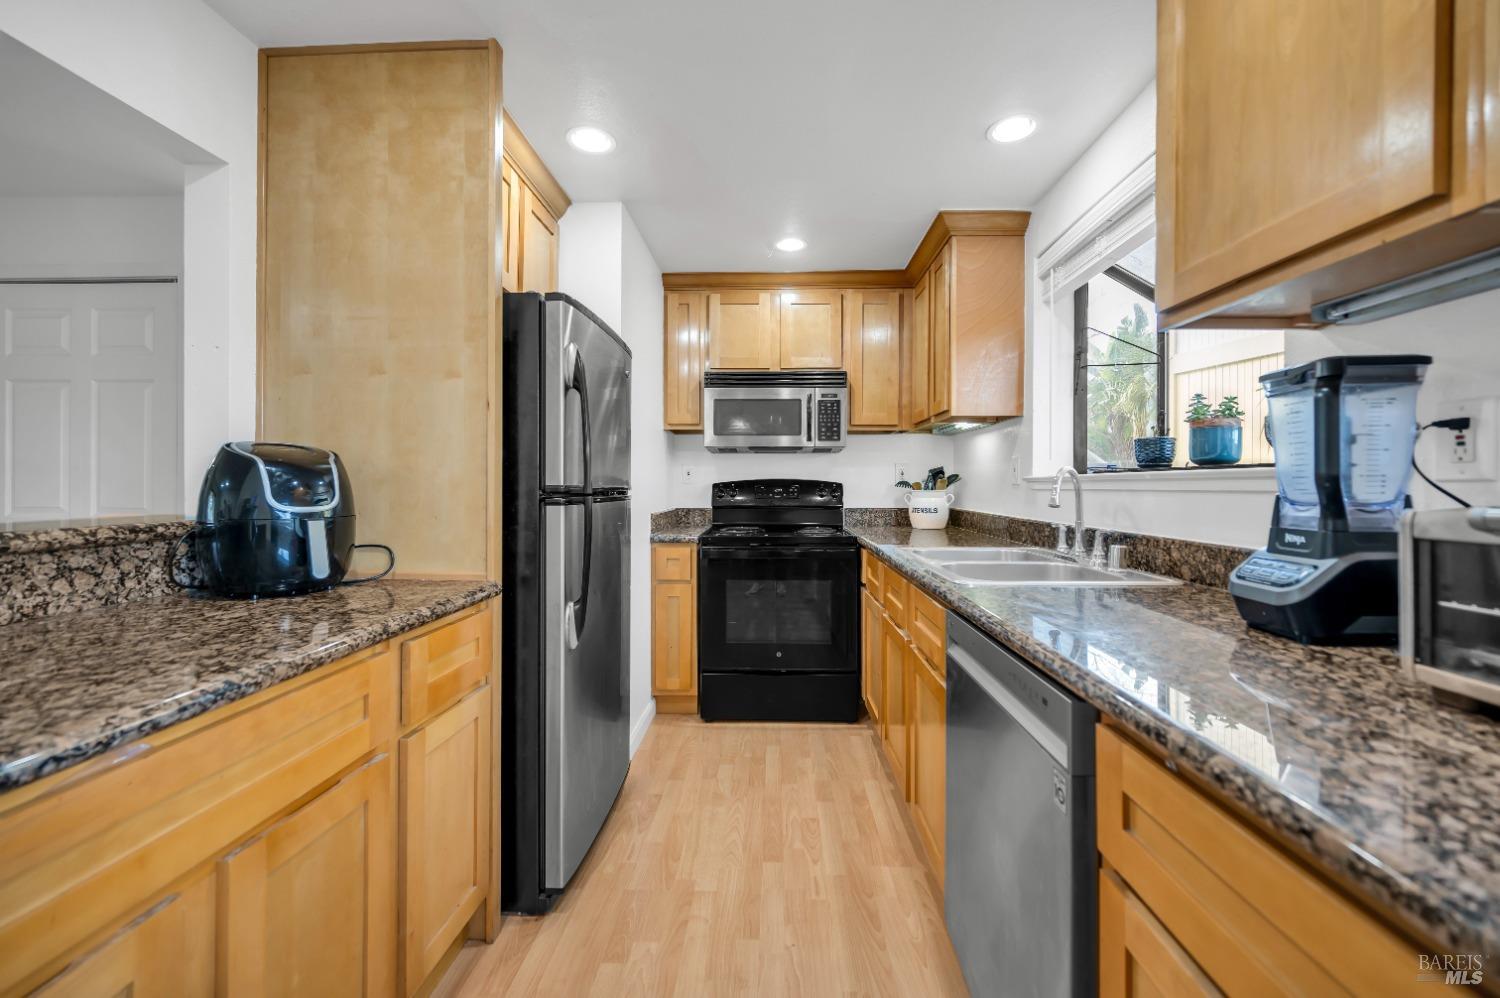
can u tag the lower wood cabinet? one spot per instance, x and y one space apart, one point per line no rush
906 694
256 849
446 799
308 907
674 627
1137 955
167 951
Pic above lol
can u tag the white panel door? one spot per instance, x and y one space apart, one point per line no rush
91 409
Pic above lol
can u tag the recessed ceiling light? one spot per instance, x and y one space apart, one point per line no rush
791 244
1012 129
586 138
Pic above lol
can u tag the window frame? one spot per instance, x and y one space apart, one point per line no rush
1146 290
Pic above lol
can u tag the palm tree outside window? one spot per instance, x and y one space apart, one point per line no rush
1120 377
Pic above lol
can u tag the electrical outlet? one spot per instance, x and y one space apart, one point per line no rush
901 475
688 474
1463 455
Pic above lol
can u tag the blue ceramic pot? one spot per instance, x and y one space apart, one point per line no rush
1216 442
1155 452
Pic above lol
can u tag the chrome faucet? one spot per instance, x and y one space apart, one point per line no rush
1080 552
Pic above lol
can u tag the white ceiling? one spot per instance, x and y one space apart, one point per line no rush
847 122
60 135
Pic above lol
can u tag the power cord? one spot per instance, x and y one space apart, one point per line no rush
1456 423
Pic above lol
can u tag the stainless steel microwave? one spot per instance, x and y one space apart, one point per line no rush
1449 609
758 411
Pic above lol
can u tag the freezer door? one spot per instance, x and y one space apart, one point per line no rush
586 643
585 401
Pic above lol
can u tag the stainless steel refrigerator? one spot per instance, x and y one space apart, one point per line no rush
566 600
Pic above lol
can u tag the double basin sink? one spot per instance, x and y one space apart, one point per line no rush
1027 567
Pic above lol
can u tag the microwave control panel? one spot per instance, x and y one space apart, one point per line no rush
830 421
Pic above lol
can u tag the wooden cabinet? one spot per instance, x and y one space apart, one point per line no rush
872 682
686 350
308 906
872 322
919 372
940 292
674 627
811 329
1359 151
1137 955
167 951
1245 912
929 754
446 798
895 722
254 848
442 664
534 202
742 330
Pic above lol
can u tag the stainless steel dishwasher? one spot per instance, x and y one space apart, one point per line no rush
1022 876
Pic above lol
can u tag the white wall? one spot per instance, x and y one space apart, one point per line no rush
90 236
182 65
605 264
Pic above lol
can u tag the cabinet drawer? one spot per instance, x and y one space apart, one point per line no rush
1137 956
894 587
440 665
928 624
90 852
673 562
869 572
1248 913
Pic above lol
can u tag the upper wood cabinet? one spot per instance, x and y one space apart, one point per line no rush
686 347
919 364
1309 151
811 328
872 321
534 202
742 330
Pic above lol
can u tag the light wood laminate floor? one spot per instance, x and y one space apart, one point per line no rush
766 859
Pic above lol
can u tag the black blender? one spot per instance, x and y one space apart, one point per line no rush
1344 430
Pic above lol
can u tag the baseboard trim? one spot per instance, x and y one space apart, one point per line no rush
641 726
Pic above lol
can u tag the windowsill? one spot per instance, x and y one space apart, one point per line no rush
1259 478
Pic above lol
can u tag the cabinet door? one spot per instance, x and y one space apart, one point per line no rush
682 385
510 230
929 754
1137 955
168 951
742 330
874 321
674 644
871 682
919 375
940 287
538 244
811 329
445 832
1282 126
893 677
309 906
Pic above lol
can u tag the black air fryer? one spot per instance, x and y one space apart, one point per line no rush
275 520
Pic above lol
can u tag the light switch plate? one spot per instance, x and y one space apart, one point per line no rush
901 475
688 474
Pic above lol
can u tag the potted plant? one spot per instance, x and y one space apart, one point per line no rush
928 506
1155 451
1215 433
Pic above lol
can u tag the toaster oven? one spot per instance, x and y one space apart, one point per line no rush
756 411
1450 601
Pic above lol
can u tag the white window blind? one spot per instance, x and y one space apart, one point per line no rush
1116 223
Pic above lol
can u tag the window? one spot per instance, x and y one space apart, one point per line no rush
1132 381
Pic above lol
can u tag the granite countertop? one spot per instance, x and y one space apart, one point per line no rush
39 536
75 685
679 526
1332 748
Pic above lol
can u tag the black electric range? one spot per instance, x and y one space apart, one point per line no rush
778 604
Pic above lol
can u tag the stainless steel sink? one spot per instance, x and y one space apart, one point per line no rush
1028 567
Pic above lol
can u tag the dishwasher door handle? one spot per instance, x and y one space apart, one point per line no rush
1051 742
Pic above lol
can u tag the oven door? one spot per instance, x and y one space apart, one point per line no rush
757 418
778 610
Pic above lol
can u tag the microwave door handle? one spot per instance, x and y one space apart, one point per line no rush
809 417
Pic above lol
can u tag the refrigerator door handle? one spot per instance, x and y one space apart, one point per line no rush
575 377
576 610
